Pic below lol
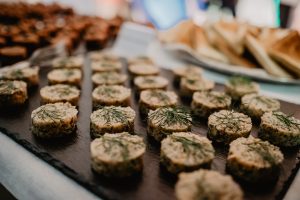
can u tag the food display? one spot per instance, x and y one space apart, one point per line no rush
118 155
233 46
280 129
185 151
128 129
254 160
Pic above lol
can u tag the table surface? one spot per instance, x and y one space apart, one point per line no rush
28 177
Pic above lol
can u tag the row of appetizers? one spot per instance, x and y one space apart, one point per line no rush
117 152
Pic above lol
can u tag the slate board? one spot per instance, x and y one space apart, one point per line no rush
71 155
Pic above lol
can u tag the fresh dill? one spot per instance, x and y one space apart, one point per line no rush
190 147
217 98
265 100
113 115
287 120
167 116
230 121
148 80
62 92
48 112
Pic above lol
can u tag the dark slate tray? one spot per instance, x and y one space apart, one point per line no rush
71 155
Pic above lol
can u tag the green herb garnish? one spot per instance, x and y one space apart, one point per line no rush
18 73
287 120
108 91
262 149
166 116
240 80
113 115
49 112
7 87
190 147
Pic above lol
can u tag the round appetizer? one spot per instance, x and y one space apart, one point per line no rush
106 65
75 62
153 99
117 155
143 69
237 87
225 126
185 151
191 84
208 185
30 75
112 119
60 93
253 160
150 82
186 71
65 76
167 120
54 120
97 55
140 59
12 93
109 78
111 95
256 105
207 102
280 129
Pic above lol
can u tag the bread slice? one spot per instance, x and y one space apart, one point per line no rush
269 36
215 40
203 48
233 33
181 33
287 52
259 52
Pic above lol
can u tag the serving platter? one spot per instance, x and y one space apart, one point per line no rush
185 53
71 155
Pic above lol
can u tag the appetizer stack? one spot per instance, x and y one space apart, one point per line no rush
275 50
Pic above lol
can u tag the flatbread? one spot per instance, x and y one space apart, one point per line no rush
287 52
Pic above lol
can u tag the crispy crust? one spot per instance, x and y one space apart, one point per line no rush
286 51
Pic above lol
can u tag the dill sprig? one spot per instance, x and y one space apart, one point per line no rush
113 115
230 121
190 147
240 80
262 150
69 73
167 116
149 80
287 120
49 112
65 91
217 98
